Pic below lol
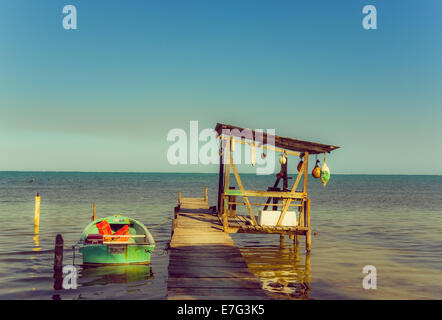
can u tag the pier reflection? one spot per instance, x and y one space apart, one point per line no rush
283 271
91 276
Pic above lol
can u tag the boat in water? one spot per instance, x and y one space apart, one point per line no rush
116 240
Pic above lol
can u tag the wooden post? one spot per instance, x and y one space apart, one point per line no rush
206 198
179 197
232 207
225 217
223 214
296 244
58 262
307 277
220 179
308 235
94 210
58 252
305 172
226 184
281 240
37 210
285 183
301 214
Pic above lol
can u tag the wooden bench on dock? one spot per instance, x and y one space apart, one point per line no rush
204 263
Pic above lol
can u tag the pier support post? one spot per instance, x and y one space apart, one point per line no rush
281 241
232 207
224 216
308 235
307 277
220 180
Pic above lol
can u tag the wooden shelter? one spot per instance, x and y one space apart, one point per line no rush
285 198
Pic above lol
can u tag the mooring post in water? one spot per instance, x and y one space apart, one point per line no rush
37 210
58 252
94 216
58 262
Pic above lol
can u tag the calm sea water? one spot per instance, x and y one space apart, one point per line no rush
391 222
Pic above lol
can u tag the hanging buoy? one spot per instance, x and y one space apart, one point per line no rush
282 159
325 173
316 173
300 165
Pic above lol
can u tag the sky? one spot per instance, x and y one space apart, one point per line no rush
104 97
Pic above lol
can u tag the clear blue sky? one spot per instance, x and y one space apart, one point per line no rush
103 97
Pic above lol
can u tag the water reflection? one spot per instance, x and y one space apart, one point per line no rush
284 273
92 276
34 257
90 279
36 237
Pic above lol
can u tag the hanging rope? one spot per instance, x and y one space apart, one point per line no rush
160 224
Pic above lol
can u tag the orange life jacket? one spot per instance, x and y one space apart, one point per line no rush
104 229
124 231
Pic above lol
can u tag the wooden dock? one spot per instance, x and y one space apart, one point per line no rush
204 263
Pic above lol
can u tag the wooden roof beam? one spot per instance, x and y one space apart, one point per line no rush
281 142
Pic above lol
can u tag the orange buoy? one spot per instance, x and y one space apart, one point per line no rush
316 172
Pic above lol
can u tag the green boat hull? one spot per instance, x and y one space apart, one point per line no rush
135 250
98 254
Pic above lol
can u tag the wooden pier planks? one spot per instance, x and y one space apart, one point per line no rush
194 203
203 260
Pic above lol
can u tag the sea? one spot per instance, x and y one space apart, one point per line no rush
374 236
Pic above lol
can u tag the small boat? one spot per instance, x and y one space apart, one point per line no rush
116 240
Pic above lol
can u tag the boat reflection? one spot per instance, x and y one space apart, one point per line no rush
284 273
100 275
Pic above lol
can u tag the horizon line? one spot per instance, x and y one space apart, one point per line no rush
177 172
